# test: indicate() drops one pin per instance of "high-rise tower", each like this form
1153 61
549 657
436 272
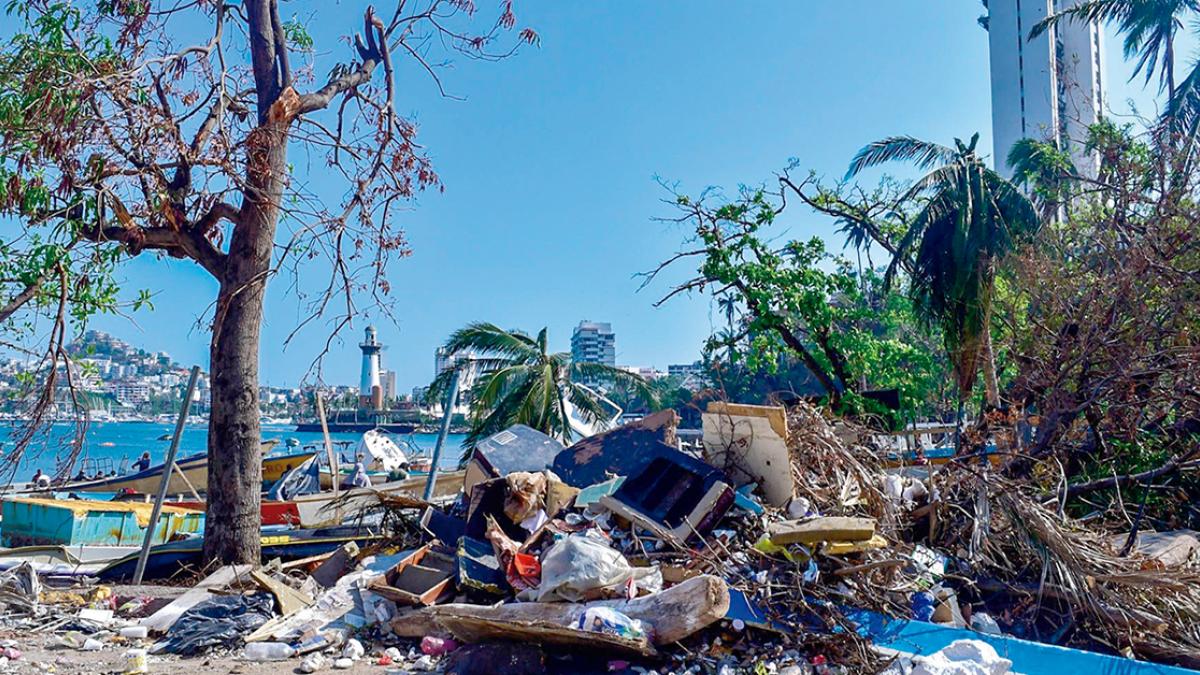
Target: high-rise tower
1049 88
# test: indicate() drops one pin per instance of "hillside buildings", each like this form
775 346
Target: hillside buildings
1049 88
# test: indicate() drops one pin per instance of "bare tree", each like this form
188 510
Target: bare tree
122 134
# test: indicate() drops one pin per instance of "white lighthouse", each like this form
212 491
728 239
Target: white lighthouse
370 394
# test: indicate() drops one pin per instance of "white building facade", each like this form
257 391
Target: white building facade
1050 88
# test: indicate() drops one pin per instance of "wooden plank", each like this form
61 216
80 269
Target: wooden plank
289 599
821 528
165 617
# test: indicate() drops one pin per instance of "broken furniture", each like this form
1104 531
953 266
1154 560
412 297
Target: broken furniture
517 448
750 443
674 497
623 451
420 579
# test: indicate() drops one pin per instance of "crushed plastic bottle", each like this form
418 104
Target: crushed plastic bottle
269 651
609 620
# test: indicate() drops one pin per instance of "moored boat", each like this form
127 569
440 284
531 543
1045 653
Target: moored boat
33 521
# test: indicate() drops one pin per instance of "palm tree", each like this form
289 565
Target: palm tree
1046 171
970 219
1149 27
521 382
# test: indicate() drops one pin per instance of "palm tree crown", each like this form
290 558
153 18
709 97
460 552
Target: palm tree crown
521 382
1149 27
970 217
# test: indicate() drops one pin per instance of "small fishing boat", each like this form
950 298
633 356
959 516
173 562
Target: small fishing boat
64 561
194 470
166 560
33 521
382 458
273 512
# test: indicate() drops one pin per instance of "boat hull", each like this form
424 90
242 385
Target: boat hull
273 513
166 560
320 510
29 521
273 468
357 427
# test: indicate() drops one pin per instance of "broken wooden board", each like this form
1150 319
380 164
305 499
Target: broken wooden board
674 613
289 599
848 547
750 443
478 629
821 528
623 451
164 618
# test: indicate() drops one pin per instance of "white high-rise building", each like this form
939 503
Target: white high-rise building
1049 88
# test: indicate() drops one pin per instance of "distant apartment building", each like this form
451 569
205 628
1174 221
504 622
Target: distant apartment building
130 392
594 342
691 375
1050 88
388 378
648 373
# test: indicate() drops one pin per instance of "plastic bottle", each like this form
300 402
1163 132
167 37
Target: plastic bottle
134 632
269 651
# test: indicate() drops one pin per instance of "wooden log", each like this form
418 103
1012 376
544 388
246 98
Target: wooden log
825 528
674 613
471 629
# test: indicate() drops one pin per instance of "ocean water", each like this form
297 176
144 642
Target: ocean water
118 442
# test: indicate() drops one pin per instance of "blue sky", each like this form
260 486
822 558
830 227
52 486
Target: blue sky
550 162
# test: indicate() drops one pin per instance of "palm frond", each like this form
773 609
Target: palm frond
489 339
1102 11
899 149
1182 116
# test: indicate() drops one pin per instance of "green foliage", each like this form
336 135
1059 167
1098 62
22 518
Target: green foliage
297 35
522 382
797 312
970 220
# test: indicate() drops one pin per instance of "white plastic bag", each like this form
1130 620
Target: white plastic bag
579 567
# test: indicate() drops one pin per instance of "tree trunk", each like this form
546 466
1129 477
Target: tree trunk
991 384
232 526
233 523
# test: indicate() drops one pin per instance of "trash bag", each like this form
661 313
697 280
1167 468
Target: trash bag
579 567
220 621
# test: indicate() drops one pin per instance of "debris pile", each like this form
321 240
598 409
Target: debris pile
779 542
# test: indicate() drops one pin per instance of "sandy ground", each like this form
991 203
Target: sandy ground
41 653
40 656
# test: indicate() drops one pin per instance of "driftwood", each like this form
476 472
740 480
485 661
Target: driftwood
472 629
821 528
674 613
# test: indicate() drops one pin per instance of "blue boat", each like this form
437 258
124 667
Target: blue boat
33 521
166 560
1028 658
